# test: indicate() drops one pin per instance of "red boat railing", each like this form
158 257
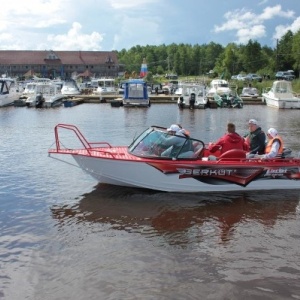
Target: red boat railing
88 146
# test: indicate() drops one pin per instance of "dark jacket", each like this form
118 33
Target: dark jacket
229 141
257 141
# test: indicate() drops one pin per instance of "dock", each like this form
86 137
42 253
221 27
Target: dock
155 99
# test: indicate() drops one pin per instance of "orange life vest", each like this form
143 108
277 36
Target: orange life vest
270 143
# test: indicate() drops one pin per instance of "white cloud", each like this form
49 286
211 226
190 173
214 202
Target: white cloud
245 34
31 14
75 39
249 25
275 11
282 29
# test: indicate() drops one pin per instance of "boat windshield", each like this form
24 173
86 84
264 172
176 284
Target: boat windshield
157 142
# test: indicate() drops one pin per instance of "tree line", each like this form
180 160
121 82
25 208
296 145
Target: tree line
195 60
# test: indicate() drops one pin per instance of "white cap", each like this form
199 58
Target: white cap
272 132
252 121
174 128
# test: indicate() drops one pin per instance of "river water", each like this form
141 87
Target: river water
63 236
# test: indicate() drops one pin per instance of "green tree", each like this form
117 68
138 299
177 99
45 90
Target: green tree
296 51
284 58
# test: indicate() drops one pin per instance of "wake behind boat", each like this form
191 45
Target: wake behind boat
189 168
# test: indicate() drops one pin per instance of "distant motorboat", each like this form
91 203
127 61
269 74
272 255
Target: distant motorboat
70 87
135 94
9 91
281 95
193 96
104 86
218 86
250 92
231 100
45 94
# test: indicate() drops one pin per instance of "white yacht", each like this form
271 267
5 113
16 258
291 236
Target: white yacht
281 95
218 86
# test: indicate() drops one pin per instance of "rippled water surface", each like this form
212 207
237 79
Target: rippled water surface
63 236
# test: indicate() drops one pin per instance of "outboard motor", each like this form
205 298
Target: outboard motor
180 104
39 100
192 100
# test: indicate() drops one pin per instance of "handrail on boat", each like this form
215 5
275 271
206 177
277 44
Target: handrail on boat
87 145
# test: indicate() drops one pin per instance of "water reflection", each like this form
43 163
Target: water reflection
179 218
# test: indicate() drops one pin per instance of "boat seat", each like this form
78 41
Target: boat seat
233 153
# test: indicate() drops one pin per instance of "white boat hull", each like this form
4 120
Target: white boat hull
144 175
281 96
293 103
187 168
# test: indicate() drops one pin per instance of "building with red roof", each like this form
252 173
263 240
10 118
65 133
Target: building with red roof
52 64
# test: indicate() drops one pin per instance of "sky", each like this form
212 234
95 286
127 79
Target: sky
106 25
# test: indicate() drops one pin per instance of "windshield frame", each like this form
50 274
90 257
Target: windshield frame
151 144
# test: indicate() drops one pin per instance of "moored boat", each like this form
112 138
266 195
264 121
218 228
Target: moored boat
218 86
231 100
9 91
70 88
192 169
45 94
281 95
136 94
193 96
250 92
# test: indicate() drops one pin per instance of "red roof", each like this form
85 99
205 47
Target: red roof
32 57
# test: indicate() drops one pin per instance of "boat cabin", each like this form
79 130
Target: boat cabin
104 86
136 93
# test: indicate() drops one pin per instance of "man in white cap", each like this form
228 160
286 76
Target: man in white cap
256 139
274 147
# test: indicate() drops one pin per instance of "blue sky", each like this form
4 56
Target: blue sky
106 25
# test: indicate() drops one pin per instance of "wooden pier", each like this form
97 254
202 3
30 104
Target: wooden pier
155 99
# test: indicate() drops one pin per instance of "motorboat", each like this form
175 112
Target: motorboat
136 94
104 86
70 88
249 92
218 86
193 96
188 170
231 100
281 95
45 94
9 91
